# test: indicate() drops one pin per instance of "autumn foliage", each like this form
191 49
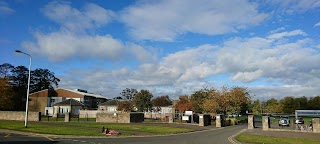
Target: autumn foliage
184 104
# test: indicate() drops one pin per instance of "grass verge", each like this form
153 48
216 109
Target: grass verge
88 128
257 139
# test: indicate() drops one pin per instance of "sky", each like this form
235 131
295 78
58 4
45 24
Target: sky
169 47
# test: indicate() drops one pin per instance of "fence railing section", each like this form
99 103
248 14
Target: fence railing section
61 117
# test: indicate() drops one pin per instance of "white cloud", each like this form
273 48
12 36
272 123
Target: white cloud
72 19
317 24
277 30
59 46
244 59
141 53
73 40
5 8
165 20
287 34
291 6
279 92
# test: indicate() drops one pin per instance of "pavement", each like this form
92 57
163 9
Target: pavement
206 136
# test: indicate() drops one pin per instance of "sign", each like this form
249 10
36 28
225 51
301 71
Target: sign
201 117
185 117
188 112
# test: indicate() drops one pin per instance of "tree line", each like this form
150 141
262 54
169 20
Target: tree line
141 100
286 105
14 82
227 100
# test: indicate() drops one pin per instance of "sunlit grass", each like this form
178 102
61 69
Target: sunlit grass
257 139
88 128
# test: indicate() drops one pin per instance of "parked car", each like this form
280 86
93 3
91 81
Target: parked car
284 121
299 120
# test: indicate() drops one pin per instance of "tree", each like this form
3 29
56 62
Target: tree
183 104
20 77
314 103
43 79
142 100
128 93
19 81
6 95
197 99
210 105
232 100
5 69
288 104
256 107
271 106
125 106
118 97
302 103
161 101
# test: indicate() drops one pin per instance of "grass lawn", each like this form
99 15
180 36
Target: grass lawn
88 128
257 139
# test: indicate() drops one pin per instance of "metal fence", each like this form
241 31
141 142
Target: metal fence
61 117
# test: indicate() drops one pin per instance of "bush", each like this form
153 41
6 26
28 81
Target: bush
232 121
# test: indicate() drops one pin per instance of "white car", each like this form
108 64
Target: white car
284 121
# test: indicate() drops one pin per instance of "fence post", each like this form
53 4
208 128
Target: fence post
66 117
265 122
219 120
316 125
250 121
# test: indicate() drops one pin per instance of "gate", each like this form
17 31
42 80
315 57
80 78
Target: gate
257 121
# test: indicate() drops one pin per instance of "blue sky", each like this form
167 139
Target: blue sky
168 47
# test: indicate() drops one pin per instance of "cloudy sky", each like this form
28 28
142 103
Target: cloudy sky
170 47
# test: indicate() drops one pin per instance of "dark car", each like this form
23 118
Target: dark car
299 120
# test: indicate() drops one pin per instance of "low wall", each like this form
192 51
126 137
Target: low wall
20 115
119 117
156 115
88 113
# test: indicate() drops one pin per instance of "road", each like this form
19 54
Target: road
213 136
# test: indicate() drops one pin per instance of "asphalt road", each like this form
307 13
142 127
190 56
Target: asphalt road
14 138
213 136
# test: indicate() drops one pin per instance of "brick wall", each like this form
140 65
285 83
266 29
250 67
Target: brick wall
88 113
19 115
38 104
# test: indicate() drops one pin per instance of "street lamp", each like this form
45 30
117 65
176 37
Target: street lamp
27 101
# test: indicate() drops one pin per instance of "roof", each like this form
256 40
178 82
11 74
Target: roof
75 91
86 94
69 102
39 91
111 102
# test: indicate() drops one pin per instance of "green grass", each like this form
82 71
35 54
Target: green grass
46 128
256 139
132 127
88 128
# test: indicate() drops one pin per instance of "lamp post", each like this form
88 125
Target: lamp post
27 101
